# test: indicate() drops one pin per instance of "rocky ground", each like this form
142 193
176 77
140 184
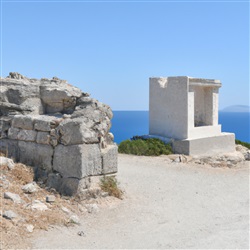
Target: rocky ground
27 206
170 201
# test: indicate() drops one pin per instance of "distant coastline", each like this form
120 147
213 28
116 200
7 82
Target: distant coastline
236 108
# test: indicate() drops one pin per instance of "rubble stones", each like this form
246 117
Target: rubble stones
6 161
50 198
30 188
9 214
58 129
14 197
38 205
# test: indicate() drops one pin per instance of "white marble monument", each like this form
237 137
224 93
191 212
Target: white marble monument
185 109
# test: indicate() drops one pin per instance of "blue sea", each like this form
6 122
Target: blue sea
126 124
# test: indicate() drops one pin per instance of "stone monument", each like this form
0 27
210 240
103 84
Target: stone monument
58 129
185 110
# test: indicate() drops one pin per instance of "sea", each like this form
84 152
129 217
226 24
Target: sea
126 124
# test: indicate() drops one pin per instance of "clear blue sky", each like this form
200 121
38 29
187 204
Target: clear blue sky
111 48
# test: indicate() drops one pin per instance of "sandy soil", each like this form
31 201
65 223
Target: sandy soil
166 206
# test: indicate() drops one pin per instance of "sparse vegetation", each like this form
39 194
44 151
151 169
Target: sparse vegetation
109 184
140 146
245 144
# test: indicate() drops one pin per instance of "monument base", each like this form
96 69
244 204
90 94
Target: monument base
223 143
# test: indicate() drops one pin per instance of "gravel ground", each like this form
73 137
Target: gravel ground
166 206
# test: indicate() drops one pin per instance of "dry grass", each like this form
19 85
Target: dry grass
14 232
109 184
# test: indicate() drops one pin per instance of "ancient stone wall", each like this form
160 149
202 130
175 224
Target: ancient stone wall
59 130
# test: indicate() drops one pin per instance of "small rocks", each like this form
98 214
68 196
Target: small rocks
8 162
74 219
65 210
92 208
81 233
30 188
29 228
247 155
38 205
9 214
14 197
50 198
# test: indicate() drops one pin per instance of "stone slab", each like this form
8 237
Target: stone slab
37 155
109 159
77 161
223 143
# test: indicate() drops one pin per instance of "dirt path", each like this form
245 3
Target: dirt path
166 206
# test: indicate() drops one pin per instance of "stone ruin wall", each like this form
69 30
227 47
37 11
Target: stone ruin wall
59 130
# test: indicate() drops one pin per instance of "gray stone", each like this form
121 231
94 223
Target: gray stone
77 161
247 155
43 138
13 133
58 129
14 197
54 181
38 205
9 214
59 97
23 122
10 149
30 188
8 162
72 186
74 219
50 198
109 159
27 135
75 132
34 154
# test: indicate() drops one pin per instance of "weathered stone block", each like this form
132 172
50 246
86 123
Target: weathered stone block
43 138
26 135
109 159
23 122
75 132
37 155
42 125
72 186
77 161
10 149
13 133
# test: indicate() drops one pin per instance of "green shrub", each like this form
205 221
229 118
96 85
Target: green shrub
148 147
245 144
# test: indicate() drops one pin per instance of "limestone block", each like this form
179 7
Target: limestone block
72 186
42 125
224 143
10 149
77 161
26 135
109 159
13 133
37 155
23 122
5 123
54 181
43 138
58 97
75 132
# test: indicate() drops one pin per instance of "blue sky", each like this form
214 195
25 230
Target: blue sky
111 48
